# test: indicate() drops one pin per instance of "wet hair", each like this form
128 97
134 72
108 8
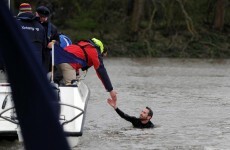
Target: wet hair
150 111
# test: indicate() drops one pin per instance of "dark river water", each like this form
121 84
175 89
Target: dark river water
190 99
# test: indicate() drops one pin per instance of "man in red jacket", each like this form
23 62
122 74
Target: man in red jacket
86 53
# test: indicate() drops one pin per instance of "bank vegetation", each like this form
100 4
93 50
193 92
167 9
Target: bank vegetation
147 28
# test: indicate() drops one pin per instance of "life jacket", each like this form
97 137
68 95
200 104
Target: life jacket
61 56
90 42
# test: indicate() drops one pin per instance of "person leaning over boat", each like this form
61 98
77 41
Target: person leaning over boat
32 29
142 122
84 54
43 14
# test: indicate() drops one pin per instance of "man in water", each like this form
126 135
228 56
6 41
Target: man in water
142 122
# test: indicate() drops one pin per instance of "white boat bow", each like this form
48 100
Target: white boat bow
73 104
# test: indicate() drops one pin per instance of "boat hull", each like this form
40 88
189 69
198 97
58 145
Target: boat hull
73 103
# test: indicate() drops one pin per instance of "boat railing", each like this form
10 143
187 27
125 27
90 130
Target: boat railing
12 118
73 118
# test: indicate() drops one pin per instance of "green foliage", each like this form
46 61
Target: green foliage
134 50
164 29
82 24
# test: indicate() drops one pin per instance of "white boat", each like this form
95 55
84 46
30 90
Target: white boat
73 102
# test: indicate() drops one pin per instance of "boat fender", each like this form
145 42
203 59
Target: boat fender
4 102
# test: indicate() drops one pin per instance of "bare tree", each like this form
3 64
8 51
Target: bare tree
219 15
188 19
136 15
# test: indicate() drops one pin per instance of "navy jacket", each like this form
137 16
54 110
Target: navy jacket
34 32
51 34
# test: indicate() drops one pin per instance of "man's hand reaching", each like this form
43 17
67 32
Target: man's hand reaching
112 103
113 95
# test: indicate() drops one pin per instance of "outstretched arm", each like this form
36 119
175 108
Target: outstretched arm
103 76
113 103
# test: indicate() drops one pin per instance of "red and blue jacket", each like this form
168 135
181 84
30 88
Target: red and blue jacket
92 56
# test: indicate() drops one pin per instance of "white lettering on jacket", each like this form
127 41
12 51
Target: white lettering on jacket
29 28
